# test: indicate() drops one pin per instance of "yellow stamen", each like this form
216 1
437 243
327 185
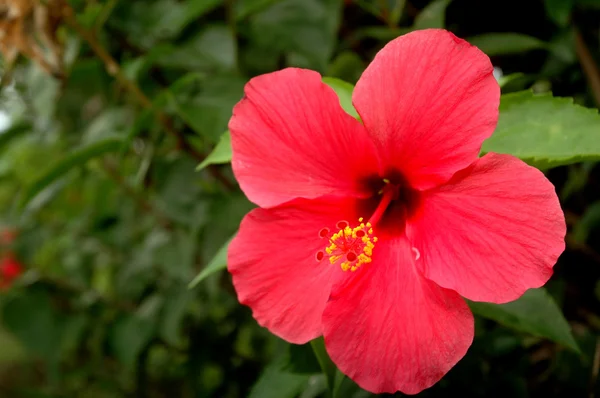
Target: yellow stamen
352 247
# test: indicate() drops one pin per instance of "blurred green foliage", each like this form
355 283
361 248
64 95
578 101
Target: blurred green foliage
108 174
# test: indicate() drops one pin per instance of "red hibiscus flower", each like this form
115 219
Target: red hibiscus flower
10 269
369 233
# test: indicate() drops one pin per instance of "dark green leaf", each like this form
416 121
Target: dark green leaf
77 158
432 16
213 48
128 336
535 313
305 28
559 11
12 132
275 383
35 322
545 131
494 44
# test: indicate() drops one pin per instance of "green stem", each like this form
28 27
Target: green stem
328 367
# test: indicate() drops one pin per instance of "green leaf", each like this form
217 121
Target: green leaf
545 131
149 22
32 318
432 16
77 158
12 132
494 44
589 221
128 336
245 8
173 313
504 80
276 383
214 48
207 110
535 313
220 154
559 11
218 263
304 28
344 93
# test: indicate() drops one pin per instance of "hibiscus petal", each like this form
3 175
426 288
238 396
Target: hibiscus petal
390 329
274 266
494 231
429 100
291 138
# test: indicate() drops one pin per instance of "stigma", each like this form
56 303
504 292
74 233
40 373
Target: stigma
350 248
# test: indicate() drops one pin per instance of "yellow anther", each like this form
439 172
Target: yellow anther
351 247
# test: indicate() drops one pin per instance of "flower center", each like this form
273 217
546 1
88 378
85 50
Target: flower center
352 247
349 247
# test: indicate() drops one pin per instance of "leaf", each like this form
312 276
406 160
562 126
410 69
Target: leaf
77 158
344 93
220 154
432 16
589 221
244 8
149 22
559 11
173 313
494 44
218 263
276 383
214 48
306 28
545 131
535 313
12 132
128 336
208 110
35 322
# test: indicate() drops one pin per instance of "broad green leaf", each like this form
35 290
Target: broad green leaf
276 383
306 29
220 154
344 93
494 44
32 319
545 131
432 16
535 313
77 158
218 263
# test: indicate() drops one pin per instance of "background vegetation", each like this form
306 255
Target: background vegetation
112 105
